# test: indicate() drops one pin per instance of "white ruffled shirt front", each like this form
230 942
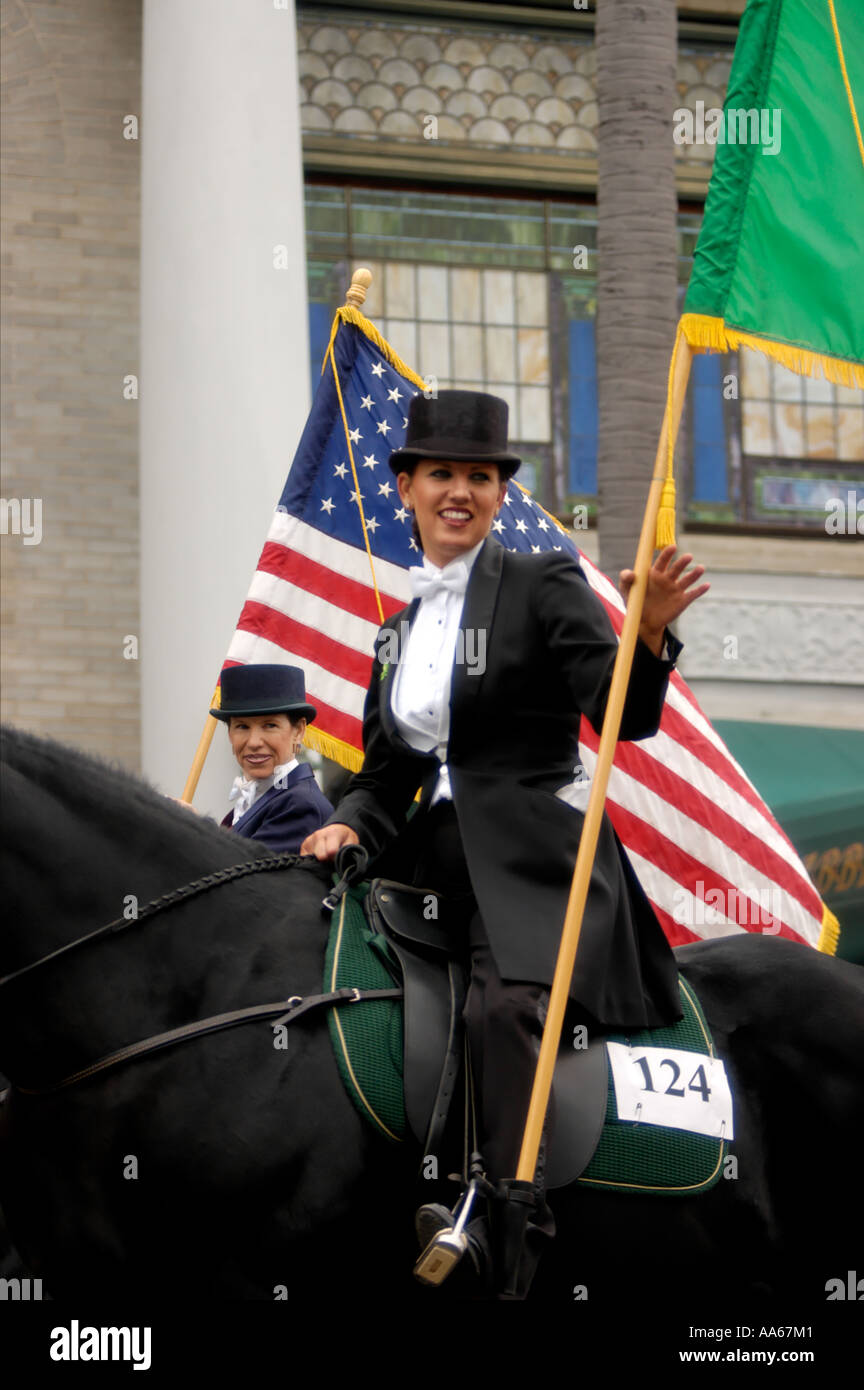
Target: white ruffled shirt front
246 791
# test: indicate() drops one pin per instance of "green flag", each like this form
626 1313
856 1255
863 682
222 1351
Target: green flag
779 264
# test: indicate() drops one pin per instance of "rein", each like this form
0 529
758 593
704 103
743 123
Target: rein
170 899
284 1011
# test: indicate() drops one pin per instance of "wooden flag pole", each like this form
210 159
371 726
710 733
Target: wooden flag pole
201 752
609 736
356 294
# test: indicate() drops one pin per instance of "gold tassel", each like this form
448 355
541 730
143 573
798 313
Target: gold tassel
829 937
665 534
664 531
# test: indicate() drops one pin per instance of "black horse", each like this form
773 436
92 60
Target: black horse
227 1167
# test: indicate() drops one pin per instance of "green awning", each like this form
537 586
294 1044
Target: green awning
813 781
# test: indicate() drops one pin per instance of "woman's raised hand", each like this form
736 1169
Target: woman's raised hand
669 591
326 842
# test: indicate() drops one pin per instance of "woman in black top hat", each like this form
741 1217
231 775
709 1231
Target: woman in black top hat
480 707
277 800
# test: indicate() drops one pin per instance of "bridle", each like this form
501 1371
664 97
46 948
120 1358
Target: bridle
350 867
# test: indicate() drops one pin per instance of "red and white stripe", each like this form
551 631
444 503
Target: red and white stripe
692 823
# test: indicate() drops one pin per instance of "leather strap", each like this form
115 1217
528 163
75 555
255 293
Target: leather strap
283 1011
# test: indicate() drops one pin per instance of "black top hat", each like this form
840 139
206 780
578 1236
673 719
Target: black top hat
460 425
263 689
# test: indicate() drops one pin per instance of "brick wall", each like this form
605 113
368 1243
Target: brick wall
70 250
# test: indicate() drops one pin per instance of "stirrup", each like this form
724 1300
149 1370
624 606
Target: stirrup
446 1248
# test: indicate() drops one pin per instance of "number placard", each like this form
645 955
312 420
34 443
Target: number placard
665 1086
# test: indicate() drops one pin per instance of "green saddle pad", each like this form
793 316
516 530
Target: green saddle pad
366 1037
367 1041
633 1157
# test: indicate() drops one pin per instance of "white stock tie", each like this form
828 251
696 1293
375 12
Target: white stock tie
241 794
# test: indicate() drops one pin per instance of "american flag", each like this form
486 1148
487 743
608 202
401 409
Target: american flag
710 856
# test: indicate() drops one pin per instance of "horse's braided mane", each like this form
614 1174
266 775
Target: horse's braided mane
88 778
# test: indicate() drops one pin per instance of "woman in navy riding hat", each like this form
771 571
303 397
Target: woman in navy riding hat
494 747
277 799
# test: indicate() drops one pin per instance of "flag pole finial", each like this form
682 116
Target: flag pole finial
360 282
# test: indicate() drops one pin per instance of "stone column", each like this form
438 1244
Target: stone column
224 374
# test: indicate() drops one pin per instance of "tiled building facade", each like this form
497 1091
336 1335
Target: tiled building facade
484 90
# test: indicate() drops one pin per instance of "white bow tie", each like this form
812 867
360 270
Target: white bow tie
424 582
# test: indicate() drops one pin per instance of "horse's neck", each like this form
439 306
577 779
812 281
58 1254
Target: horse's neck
220 950
73 869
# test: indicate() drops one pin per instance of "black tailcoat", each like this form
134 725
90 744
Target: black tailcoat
283 816
550 650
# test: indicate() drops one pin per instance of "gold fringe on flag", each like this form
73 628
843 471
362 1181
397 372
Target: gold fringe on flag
348 314
829 936
334 748
707 334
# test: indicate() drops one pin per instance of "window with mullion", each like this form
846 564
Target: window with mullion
499 294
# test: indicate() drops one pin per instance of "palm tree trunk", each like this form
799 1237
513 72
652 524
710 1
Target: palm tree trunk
636 258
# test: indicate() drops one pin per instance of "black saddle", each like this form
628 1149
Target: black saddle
414 922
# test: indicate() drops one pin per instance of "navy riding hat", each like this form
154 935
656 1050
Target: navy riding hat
263 689
465 426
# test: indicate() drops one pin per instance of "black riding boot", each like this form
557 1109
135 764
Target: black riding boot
521 1227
